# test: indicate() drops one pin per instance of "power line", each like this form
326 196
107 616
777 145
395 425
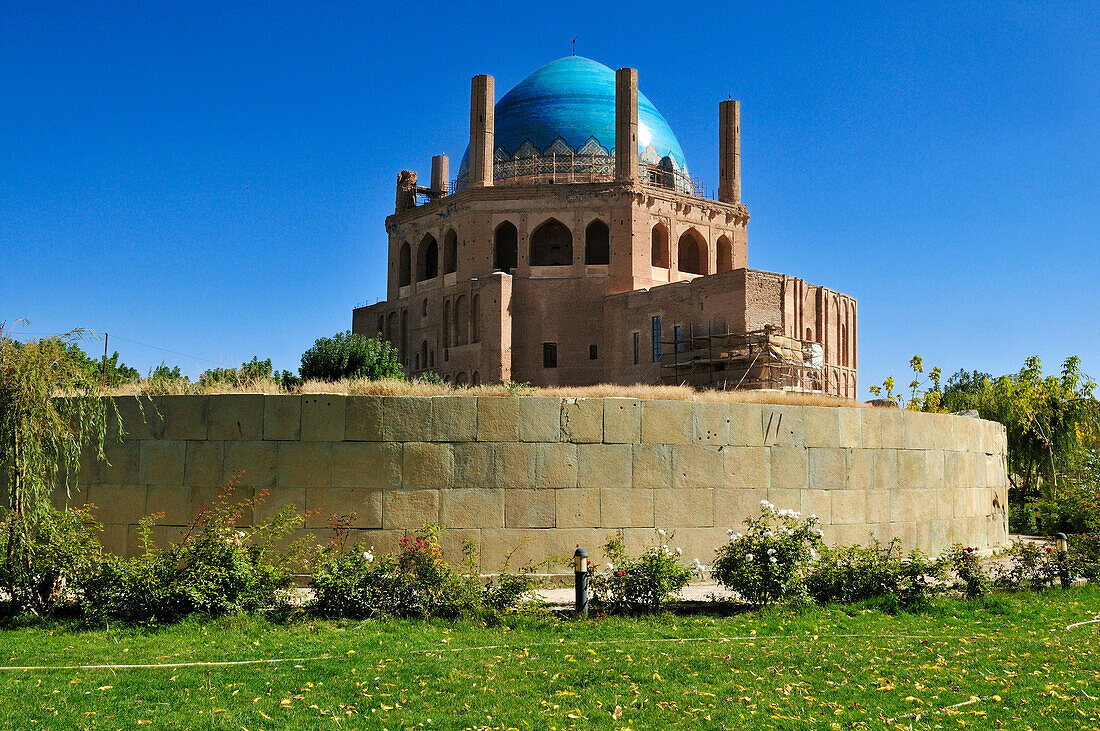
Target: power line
134 342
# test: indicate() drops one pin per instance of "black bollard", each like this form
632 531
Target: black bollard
580 575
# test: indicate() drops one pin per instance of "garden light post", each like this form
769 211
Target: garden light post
1061 545
580 576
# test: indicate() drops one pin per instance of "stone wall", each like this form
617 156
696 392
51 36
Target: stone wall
546 474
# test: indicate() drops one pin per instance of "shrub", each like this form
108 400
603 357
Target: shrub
855 573
971 579
1027 566
646 582
918 579
351 355
769 562
216 568
417 582
1084 555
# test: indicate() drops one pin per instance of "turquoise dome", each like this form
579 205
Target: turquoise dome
573 100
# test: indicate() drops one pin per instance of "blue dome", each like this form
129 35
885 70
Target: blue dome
573 99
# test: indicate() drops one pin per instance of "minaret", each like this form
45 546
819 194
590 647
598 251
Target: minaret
626 125
440 171
729 151
480 168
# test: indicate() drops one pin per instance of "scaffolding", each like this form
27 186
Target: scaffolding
760 359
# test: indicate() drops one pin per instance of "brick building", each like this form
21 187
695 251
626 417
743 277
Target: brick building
574 248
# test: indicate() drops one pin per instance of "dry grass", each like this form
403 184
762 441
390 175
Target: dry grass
152 387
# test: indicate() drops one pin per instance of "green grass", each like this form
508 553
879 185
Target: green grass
835 667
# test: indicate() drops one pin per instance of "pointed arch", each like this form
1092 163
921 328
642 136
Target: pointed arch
475 312
450 252
551 244
597 243
462 321
659 246
691 253
505 247
725 254
404 265
427 259
447 324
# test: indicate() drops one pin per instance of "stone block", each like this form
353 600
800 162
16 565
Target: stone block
746 425
203 464
604 465
454 418
376 465
871 427
919 430
878 506
525 547
625 507
712 423
476 464
828 470
886 469
556 465
892 428
941 504
539 419
582 420
140 419
174 501
122 465
851 426
473 508
789 468
250 463
282 418
676 509
666 422
944 428
410 509
451 541
530 509
652 465
822 426
860 472
819 503
748 468
204 498
236 416
76 495
783 426
323 417
427 465
788 499
733 506
698 466
324 503
118 503
849 507
161 462
184 416
847 535
578 508
276 500
912 469
622 420
406 418
498 418
119 539
516 464
363 419
304 464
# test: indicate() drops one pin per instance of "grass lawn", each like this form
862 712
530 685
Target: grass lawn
1005 662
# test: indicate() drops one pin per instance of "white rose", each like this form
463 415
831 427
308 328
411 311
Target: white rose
748 558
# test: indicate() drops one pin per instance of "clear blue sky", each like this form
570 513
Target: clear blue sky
212 179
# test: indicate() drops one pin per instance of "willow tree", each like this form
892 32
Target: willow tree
51 410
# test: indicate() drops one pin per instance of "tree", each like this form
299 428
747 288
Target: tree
111 370
51 409
350 355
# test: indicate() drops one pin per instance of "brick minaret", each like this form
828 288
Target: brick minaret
729 151
626 124
481 131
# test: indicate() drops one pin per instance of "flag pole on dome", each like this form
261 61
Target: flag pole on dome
574 46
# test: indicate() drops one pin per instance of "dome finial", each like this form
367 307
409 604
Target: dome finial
574 46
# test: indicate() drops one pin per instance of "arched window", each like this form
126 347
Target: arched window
427 259
424 353
450 252
692 253
809 334
404 266
462 320
476 381
447 324
659 256
551 245
403 349
475 315
597 243
725 254
844 344
381 325
391 327
431 359
460 379
505 247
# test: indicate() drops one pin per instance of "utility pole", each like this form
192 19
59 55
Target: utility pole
103 377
